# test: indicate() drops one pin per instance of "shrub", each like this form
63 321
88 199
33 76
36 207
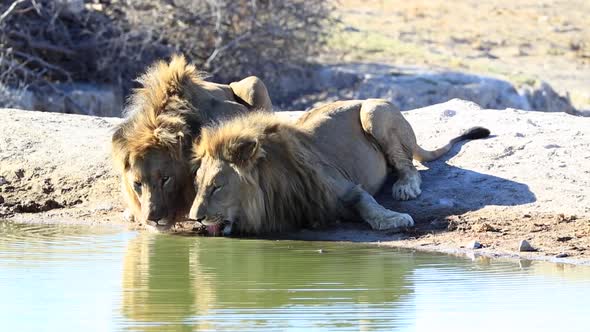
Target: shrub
112 41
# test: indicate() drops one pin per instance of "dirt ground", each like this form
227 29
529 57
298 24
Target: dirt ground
522 41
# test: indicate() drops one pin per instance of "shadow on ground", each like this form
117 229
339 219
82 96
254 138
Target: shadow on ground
446 190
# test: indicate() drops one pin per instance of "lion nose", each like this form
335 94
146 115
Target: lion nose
197 213
154 215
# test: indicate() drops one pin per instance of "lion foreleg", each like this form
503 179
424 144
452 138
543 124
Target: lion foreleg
373 213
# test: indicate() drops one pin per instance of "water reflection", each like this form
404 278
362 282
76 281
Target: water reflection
227 283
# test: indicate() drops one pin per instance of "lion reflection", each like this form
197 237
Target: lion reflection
180 281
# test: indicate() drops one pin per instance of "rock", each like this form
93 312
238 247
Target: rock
72 7
103 207
3 181
414 91
525 246
349 28
474 245
1 199
485 227
446 202
543 98
567 219
19 173
410 88
452 226
79 98
562 255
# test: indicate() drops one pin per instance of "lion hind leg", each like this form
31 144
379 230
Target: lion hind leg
252 91
375 214
394 135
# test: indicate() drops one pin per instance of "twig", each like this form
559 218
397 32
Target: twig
45 64
41 44
10 10
223 48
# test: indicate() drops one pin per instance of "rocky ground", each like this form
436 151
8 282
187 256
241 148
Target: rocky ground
529 181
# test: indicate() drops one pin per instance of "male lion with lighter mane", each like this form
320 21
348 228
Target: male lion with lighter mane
257 174
151 147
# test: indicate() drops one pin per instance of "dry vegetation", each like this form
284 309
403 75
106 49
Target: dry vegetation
109 41
522 40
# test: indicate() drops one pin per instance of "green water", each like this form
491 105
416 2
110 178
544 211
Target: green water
72 278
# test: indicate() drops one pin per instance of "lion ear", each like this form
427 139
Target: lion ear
241 151
272 129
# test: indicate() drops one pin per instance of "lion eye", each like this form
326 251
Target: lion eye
215 189
137 186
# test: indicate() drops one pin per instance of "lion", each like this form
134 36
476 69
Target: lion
256 174
151 147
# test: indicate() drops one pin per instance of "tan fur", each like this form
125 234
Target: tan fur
272 200
162 119
259 174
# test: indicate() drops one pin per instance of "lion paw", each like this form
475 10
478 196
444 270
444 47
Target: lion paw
393 220
406 190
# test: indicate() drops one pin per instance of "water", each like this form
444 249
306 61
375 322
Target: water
73 278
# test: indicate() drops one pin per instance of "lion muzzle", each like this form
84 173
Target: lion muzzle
218 226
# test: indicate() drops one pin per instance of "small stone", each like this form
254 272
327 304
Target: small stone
3 181
128 216
446 202
449 113
20 173
564 238
351 29
1 200
525 246
567 219
485 227
453 225
562 255
103 207
474 245
320 251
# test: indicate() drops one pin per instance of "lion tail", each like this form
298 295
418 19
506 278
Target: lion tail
474 133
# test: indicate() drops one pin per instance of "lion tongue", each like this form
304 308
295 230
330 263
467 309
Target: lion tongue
214 229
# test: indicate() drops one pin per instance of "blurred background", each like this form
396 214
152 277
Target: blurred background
82 56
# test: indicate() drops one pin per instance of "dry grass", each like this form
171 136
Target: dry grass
520 40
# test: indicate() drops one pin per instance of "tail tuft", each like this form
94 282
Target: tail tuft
475 133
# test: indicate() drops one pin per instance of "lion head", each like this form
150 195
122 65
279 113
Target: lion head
151 147
254 175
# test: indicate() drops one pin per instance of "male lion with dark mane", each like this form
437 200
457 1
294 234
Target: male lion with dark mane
257 174
151 147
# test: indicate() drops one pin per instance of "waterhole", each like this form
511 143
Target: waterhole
75 278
